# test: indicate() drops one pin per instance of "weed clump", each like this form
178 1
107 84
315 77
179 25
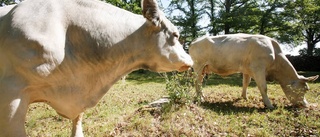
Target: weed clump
180 88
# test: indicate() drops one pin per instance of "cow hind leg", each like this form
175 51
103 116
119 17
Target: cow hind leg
245 83
200 71
199 87
77 126
260 79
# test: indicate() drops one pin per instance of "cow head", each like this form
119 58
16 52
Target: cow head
296 91
164 50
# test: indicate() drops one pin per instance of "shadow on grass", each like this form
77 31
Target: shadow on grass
232 80
236 79
229 107
144 76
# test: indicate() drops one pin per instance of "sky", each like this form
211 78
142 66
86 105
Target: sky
165 2
285 48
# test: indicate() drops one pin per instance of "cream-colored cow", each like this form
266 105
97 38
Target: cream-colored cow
256 56
68 53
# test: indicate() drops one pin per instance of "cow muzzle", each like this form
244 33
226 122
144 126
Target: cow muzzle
184 68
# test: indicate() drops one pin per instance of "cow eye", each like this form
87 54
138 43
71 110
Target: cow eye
175 34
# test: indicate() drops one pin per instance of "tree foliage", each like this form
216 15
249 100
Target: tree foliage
130 5
8 2
237 15
306 21
290 22
187 19
304 52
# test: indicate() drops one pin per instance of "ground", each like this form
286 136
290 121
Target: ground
124 111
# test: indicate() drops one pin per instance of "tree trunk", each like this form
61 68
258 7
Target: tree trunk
227 23
310 48
311 43
193 16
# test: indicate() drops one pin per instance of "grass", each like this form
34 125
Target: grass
123 112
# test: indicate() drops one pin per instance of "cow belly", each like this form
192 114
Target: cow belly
67 97
223 70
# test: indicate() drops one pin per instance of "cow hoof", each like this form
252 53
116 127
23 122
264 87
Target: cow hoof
244 97
270 106
307 106
199 99
313 106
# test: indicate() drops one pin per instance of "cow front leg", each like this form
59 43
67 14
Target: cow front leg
262 85
12 117
77 126
245 83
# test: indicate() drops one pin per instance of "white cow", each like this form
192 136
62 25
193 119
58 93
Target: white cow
68 53
256 56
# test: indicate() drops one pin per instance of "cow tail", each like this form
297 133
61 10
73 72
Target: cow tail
2 69
2 73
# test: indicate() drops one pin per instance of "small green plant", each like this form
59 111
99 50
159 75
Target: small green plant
180 87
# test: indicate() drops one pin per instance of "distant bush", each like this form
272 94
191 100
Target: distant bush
303 52
305 62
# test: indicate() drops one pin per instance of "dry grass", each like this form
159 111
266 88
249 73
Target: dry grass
123 112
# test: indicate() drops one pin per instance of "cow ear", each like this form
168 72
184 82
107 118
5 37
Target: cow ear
309 79
151 11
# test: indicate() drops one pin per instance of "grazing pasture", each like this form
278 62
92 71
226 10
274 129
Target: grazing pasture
123 111
50 53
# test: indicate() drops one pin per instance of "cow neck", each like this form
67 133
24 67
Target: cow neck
101 71
284 72
109 35
122 58
126 55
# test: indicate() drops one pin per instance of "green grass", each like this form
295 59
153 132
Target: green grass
123 112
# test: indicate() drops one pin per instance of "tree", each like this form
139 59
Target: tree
210 9
230 16
271 18
303 52
188 18
304 15
7 2
290 22
130 5
237 15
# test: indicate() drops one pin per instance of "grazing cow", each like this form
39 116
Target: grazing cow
68 53
256 56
